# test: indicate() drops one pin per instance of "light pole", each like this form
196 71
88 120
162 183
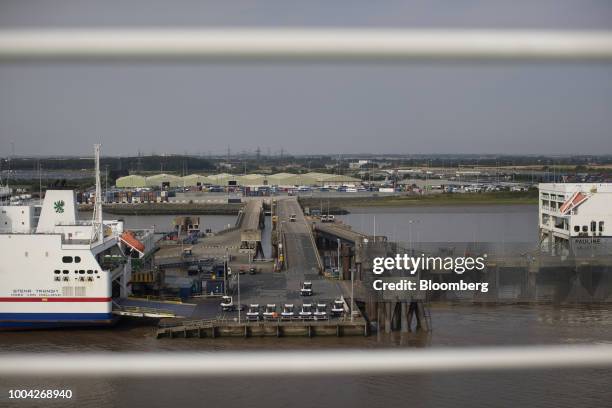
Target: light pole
410 235
338 263
105 183
352 292
225 273
179 238
250 255
374 228
239 303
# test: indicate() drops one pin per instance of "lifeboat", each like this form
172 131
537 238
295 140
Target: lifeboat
130 240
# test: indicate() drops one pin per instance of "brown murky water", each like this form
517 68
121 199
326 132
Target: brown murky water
454 326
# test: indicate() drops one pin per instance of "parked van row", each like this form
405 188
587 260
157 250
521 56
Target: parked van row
289 311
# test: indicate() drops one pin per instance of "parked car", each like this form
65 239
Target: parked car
306 289
253 313
292 218
320 312
227 303
337 309
306 311
328 218
270 312
288 312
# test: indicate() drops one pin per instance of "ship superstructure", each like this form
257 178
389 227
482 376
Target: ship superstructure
57 270
576 218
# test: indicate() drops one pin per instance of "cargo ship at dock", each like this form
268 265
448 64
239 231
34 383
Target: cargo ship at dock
59 271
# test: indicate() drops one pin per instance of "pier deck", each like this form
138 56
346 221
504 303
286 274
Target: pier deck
276 328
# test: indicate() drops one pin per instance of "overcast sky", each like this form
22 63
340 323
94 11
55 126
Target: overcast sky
62 109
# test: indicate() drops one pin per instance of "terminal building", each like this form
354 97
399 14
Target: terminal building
576 219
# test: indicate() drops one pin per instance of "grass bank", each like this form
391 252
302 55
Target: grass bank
338 204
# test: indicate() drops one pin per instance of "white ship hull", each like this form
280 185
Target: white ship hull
53 267
40 289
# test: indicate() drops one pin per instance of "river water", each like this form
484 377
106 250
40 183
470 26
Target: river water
474 223
453 326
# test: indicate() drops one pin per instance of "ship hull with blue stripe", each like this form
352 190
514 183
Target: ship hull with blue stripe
32 321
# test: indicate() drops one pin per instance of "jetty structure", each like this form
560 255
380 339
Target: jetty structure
337 262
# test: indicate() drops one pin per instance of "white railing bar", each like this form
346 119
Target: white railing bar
304 44
306 363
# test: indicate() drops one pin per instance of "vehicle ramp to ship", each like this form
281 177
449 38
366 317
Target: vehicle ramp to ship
146 308
251 222
340 231
140 243
300 247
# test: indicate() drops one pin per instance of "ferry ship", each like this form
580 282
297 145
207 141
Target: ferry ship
57 270
575 219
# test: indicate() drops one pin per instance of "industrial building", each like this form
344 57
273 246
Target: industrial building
225 179
575 218
131 181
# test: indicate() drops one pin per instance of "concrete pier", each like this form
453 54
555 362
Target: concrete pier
226 328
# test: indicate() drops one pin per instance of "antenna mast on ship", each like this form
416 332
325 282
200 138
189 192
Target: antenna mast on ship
96 231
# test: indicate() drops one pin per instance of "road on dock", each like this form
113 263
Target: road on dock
301 253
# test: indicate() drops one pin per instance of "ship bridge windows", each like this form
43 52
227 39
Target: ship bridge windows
601 226
560 223
585 228
57 271
576 228
593 226
66 259
77 259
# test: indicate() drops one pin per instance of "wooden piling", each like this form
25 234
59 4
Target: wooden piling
387 317
404 318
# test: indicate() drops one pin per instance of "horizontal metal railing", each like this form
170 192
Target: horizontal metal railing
357 362
304 44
